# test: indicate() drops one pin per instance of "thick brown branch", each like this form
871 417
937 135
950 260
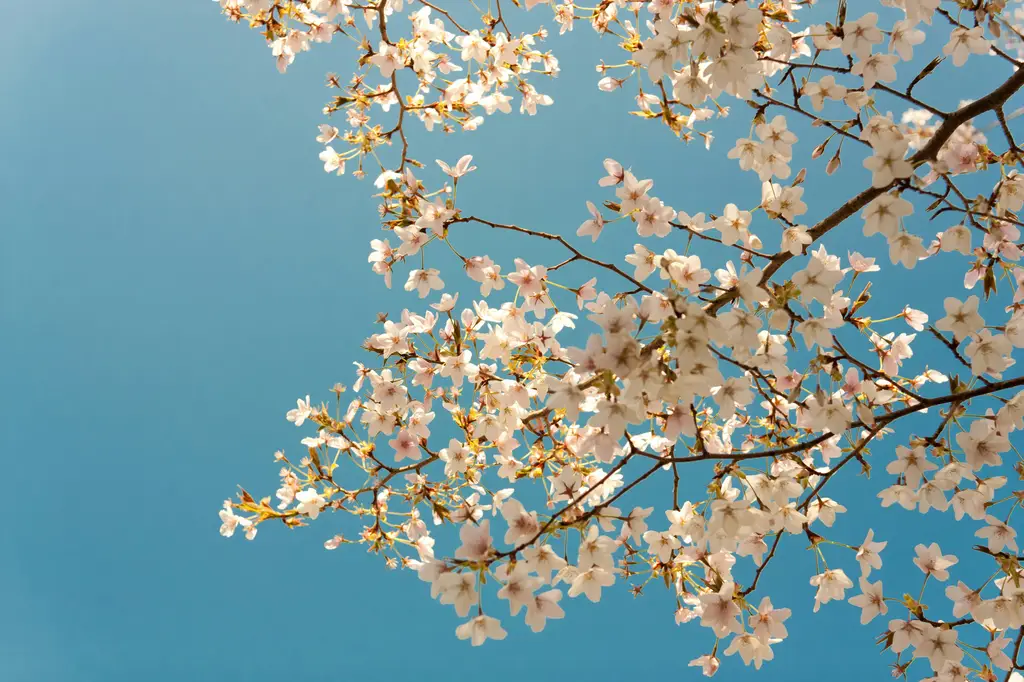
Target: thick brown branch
989 102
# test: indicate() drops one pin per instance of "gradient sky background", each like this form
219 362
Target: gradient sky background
175 268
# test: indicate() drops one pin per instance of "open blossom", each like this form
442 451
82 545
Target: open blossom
654 218
592 227
989 353
518 587
406 446
832 584
751 649
388 59
719 612
869 553
685 271
939 646
907 249
662 544
633 193
883 214
862 263
333 162
904 37
590 582
478 630
998 535
826 88
860 34
888 162
476 541
962 318
459 590
616 174
386 177
542 607
932 562
874 68
733 224
423 281
964 42
459 169
522 525
310 502
956 238
708 664
301 413
230 521
915 318
913 463
870 601
997 655
767 623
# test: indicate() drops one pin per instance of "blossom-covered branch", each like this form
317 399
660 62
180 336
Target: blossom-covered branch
743 379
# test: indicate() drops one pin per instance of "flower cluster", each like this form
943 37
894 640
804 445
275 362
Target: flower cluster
705 354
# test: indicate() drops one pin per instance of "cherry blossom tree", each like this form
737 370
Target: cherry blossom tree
729 347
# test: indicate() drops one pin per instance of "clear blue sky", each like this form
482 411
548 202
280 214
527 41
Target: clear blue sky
175 268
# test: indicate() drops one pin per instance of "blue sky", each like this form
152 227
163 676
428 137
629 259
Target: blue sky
175 268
